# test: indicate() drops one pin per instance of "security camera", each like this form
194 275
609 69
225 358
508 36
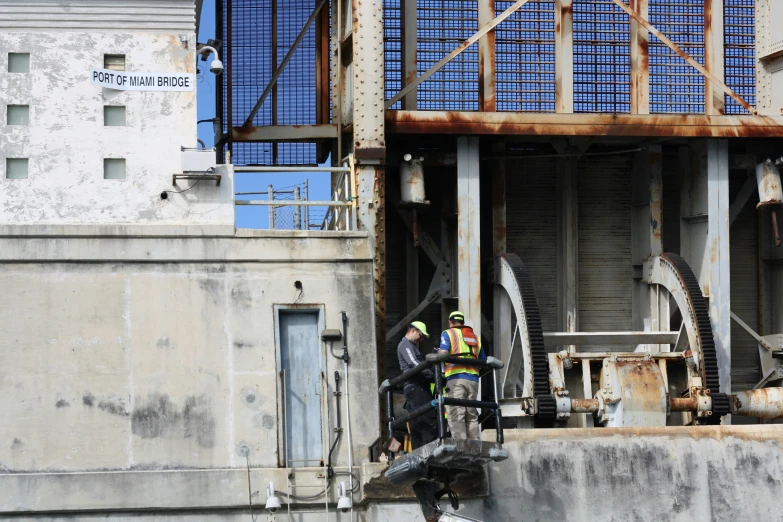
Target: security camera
272 502
344 503
216 67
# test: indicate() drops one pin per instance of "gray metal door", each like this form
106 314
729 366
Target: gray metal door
300 361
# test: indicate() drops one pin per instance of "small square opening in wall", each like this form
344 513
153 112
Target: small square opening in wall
114 116
19 62
18 115
16 168
114 62
113 168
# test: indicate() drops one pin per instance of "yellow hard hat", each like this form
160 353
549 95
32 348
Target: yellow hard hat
421 327
457 316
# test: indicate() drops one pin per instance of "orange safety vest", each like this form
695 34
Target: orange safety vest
464 343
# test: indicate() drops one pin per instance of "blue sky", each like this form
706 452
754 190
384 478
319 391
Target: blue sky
246 216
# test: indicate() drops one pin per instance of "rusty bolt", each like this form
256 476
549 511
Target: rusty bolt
707 391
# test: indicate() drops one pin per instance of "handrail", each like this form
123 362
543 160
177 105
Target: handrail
292 203
439 402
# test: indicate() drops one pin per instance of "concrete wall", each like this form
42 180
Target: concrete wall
150 362
66 140
710 473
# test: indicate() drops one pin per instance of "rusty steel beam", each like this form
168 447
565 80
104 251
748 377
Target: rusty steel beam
322 77
685 56
286 133
640 61
486 55
409 39
564 57
456 52
672 125
713 55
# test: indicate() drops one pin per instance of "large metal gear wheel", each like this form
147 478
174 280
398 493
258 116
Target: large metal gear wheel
528 364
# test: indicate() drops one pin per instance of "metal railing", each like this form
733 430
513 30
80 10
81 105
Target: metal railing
440 401
339 213
341 217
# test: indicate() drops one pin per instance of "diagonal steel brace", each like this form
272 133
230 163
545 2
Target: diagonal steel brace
456 52
685 56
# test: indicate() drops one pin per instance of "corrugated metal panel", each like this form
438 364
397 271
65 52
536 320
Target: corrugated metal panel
531 220
744 291
165 16
605 271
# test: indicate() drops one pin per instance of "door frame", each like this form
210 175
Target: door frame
320 309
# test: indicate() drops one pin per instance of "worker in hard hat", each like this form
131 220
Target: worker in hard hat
462 381
424 428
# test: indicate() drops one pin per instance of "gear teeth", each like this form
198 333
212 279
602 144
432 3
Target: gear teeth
540 361
709 362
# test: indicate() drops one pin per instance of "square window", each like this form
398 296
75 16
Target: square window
16 168
114 62
113 168
113 116
18 115
19 62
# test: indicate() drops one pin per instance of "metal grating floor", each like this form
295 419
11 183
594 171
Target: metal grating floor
739 44
602 78
675 86
525 58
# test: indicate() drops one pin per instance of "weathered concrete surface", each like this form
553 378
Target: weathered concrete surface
711 473
66 140
114 355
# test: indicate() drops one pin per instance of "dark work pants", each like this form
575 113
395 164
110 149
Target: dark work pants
424 428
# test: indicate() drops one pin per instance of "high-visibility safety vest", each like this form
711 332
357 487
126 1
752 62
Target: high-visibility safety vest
464 343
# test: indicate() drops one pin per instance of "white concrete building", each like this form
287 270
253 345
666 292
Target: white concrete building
77 153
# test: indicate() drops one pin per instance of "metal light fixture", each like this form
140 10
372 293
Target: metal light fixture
272 502
344 502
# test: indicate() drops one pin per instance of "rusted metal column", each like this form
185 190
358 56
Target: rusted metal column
501 308
229 76
322 67
640 61
369 147
713 55
468 231
718 255
564 57
486 53
646 194
409 41
765 403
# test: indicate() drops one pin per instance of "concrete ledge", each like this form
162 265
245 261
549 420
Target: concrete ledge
52 231
151 490
716 473
760 433
286 248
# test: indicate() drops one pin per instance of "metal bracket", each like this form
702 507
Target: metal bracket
200 177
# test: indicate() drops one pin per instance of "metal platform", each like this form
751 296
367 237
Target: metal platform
444 460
